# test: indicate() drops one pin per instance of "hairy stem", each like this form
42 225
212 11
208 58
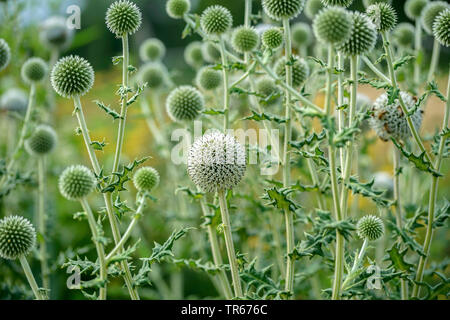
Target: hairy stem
42 217
27 270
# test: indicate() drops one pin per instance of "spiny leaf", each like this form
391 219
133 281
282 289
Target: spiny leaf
213 112
402 61
366 190
97 145
310 140
198 265
195 195
137 94
122 177
108 110
279 199
397 259
264 116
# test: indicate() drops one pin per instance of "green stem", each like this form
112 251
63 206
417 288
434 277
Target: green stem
341 114
356 263
30 278
245 75
375 70
45 272
434 60
417 51
248 13
226 95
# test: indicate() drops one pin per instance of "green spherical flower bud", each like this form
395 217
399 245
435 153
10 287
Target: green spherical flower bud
383 16
145 179
272 38
370 227
332 25
193 54
42 141
300 70
368 3
54 33
301 34
312 7
216 20
413 8
244 39
403 35
430 13
210 52
184 103
14 100
154 73
152 50
5 54
362 37
76 182
441 28
339 3
123 17
208 78
216 162
34 70
72 76
177 8
283 9
17 237
268 88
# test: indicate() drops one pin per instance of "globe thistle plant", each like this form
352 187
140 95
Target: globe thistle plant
34 70
272 38
441 28
14 99
123 17
5 54
300 70
268 88
193 54
210 52
370 227
42 141
176 9
340 3
283 9
332 25
244 39
301 35
383 16
403 35
152 50
76 182
55 33
362 37
17 237
216 20
208 78
312 7
368 3
430 13
145 179
184 103
414 8
72 76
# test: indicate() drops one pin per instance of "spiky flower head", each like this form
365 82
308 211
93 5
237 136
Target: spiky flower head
403 35
34 70
383 16
216 162
430 13
17 237
184 103
216 20
145 179
208 78
72 76
55 33
14 100
244 39
301 34
441 28
413 8
123 17
340 3
332 25
362 37
283 9
152 50
370 227
210 52
42 140
312 7
154 74
76 182
5 54
368 3
193 54
268 88
388 119
272 38
176 9
300 70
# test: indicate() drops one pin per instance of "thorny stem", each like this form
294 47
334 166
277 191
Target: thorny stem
45 272
27 270
434 60
226 94
417 51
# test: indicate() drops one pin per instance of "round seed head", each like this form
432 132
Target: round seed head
154 73
370 227
76 182
430 12
184 103
268 88
17 237
244 39
216 162
339 3
145 179
389 121
14 100
5 54
210 53
301 34
383 16
72 76
272 38
216 20
300 70
403 35
152 50
332 25
312 7
208 78
362 37
368 3
55 34
193 54
123 17
34 70
283 9
176 9
413 8
42 141
441 28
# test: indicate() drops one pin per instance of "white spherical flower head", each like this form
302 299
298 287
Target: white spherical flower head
216 162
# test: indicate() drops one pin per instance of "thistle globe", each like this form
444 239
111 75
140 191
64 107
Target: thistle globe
123 17
414 8
208 78
55 33
300 70
5 54
152 50
176 9
72 76
17 237
441 28
193 54
383 16
76 182
332 25
362 38
14 100
301 34
403 35
244 39
216 20
154 74
210 52
145 179
42 141
312 7
270 91
216 162
370 227
34 70
430 13
339 3
368 3
272 38
184 103
283 9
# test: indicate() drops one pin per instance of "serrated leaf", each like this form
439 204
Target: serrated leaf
366 190
265 117
108 110
279 198
397 259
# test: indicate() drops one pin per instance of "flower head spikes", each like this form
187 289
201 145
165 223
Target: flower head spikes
208 78
5 54
184 103
42 141
152 50
272 38
154 74
403 35
76 182
383 16
123 17
300 70
193 54
14 100
441 28
414 8
312 7
370 227
340 3
332 25
362 37
216 20
301 34
55 33
216 162
17 237
72 76
176 9
430 12
268 88
244 39
145 179
34 70
389 121
283 9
